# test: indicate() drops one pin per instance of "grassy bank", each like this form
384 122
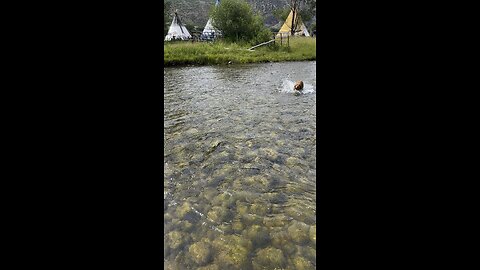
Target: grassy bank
203 53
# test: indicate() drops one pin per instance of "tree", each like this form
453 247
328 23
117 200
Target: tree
311 5
190 27
237 22
309 10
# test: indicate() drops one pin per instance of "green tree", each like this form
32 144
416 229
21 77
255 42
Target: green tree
309 10
237 22
190 27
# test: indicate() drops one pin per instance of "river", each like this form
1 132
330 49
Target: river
240 167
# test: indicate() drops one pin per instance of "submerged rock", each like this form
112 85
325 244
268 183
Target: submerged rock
303 214
176 239
170 265
293 162
201 252
209 267
276 197
301 263
197 157
242 208
221 198
215 181
277 167
226 170
226 228
258 235
217 214
307 252
298 151
215 143
183 210
276 221
269 258
277 209
249 219
260 209
232 252
209 193
237 226
299 232
229 203
233 258
257 181
282 241
244 196
269 153
280 143
186 226
167 217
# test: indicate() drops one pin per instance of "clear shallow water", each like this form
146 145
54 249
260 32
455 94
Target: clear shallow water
239 167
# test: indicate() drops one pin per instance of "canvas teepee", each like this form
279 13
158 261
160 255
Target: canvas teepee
177 30
300 28
209 32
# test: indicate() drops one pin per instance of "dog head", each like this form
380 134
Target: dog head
298 85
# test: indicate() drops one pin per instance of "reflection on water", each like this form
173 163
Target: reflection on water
239 167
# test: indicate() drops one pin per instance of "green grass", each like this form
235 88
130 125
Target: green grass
219 53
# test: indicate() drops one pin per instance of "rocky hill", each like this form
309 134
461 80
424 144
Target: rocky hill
195 12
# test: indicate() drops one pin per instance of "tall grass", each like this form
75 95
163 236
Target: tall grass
203 53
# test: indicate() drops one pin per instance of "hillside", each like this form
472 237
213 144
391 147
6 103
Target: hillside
195 12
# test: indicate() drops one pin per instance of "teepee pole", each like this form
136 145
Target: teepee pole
294 11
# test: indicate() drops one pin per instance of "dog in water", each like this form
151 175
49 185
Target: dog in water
298 85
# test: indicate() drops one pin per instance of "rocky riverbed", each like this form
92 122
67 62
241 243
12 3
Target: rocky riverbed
240 168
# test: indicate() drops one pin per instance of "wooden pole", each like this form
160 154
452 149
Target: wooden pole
261 44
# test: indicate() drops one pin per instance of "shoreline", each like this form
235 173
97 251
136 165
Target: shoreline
180 54
233 63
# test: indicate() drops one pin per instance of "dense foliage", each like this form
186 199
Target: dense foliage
197 12
238 23
223 53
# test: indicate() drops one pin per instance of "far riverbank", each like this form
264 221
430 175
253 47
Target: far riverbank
221 53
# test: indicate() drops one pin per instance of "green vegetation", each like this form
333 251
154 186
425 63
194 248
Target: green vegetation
237 22
220 53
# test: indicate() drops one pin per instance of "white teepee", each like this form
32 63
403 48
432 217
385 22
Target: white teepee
177 30
209 32
299 27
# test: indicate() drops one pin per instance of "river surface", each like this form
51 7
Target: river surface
239 167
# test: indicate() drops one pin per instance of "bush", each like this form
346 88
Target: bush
238 23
